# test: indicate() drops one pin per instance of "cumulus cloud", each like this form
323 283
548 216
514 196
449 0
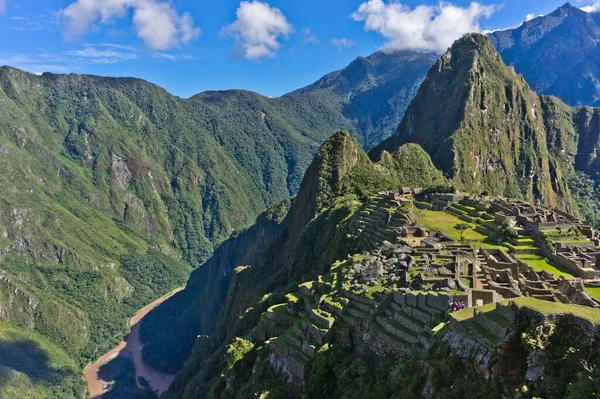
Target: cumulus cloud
342 43
257 30
592 7
425 28
156 22
531 16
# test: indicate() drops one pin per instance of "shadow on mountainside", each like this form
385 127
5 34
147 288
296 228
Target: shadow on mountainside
120 372
27 357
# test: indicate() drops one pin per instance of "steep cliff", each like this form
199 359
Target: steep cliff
313 235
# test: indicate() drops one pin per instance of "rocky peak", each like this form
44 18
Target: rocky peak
334 160
481 124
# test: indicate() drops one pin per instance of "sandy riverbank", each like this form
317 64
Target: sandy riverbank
131 346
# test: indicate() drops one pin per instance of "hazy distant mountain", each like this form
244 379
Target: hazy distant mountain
558 54
376 90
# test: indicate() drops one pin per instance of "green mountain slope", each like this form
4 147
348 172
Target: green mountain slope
113 188
375 91
306 242
497 135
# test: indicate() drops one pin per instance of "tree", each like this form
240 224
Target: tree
461 228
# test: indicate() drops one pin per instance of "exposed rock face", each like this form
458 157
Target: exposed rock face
483 125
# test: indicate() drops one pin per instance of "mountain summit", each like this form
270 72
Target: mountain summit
558 54
483 125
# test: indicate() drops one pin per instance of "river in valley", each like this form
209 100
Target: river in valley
131 348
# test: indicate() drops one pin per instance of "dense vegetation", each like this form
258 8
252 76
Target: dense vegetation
309 239
495 135
113 188
571 372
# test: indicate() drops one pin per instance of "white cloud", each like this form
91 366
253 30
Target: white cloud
157 23
531 16
103 56
118 46
172 57
342 43
592 7
425 28
2 6
310 38
257 30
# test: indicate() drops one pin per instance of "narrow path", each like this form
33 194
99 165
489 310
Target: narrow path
131 346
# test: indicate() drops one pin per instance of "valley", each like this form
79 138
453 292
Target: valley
412 225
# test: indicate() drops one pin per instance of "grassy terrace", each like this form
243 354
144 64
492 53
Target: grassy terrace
593 290
442 221
590 314
445 222
466 314
542 264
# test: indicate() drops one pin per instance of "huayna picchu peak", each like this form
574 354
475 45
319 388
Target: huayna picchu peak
421 223
489 132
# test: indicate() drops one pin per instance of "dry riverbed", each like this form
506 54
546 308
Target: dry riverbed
130 347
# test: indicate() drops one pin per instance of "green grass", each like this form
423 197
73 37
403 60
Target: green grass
32 366
545 307
279 309
593 290
540 265
488 245
445 222
468 313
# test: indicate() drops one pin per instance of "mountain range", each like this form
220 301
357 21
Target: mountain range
114 191
558 54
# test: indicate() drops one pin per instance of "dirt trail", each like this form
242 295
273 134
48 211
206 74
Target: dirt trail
131 346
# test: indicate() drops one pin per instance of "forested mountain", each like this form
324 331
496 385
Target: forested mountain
375 90
497 135
113 189
287 245
482 125
558 54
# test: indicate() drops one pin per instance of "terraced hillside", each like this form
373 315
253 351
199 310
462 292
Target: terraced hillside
396 301
372 309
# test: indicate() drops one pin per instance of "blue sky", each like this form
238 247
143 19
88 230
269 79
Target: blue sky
271 47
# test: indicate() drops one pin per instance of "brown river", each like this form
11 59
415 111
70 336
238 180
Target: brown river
130 347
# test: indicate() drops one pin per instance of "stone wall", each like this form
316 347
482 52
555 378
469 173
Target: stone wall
487 296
